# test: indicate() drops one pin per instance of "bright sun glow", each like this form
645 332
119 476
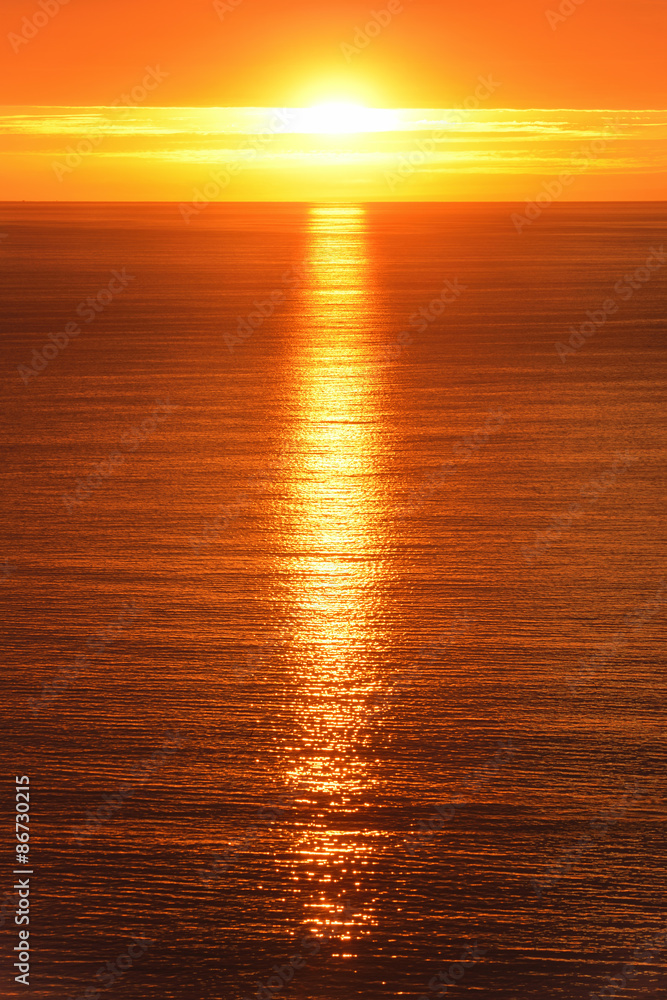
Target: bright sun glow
336 117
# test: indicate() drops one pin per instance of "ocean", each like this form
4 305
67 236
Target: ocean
333 561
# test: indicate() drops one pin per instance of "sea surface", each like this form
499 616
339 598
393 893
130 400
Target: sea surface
335 629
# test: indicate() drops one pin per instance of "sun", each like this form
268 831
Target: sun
338 117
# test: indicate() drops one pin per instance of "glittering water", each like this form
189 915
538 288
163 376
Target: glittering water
336 598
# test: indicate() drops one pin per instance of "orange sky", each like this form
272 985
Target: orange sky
606 54
63 66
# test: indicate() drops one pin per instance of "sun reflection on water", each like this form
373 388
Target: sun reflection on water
337 528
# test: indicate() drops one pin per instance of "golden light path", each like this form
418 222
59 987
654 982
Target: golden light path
339 525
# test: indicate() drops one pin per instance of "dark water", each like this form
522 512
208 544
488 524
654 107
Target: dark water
277 597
